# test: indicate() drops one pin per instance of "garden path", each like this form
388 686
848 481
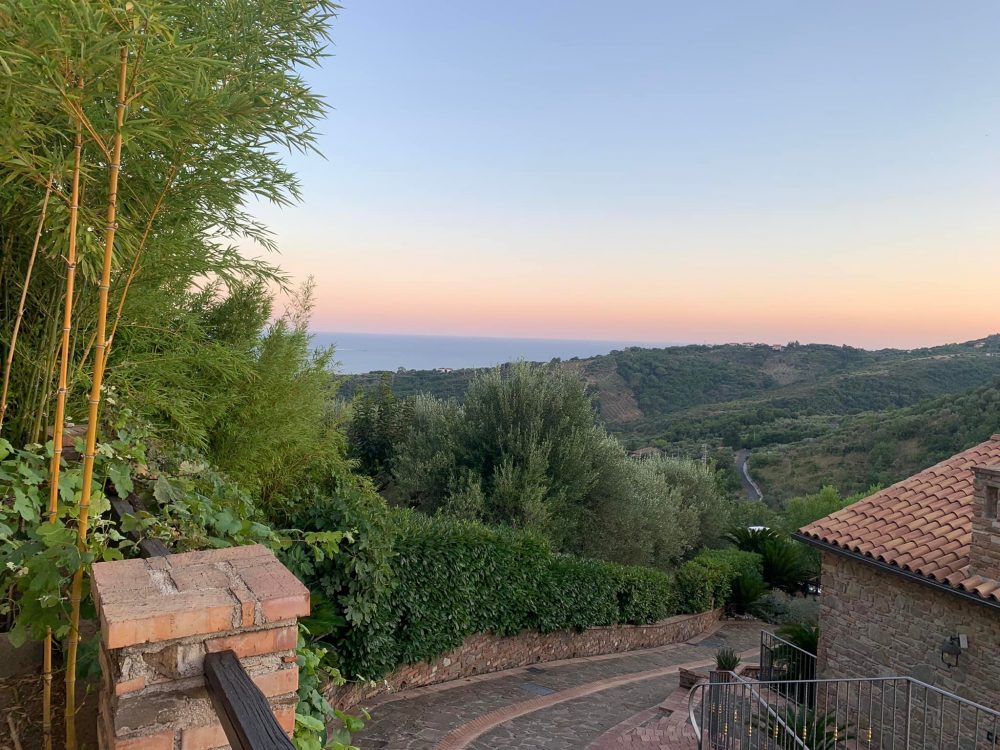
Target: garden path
592 703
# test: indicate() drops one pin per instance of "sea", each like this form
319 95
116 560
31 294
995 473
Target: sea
366 352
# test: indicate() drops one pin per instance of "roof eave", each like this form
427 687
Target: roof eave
895 570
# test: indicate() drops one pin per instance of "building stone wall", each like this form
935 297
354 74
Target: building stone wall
874 623
484 652
985 550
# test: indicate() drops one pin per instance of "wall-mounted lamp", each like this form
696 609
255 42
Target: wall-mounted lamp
951 649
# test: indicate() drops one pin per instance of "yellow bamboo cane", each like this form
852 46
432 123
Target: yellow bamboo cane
57 427
76 590
20 306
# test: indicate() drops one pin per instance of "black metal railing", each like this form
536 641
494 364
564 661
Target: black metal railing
882 713
781 661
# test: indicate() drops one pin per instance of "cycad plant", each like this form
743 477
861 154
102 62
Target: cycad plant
782 563
819 731
752 539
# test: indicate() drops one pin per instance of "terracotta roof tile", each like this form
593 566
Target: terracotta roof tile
922 524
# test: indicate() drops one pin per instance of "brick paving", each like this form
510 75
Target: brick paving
563 705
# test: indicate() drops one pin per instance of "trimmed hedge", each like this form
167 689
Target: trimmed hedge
442 579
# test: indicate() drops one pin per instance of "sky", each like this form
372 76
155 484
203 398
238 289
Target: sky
655 171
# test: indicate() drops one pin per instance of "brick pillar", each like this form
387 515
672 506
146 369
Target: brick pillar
159 617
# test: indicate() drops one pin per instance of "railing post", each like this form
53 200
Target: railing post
161 618
909 711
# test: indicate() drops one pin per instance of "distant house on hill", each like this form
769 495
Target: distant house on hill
650 451
911 579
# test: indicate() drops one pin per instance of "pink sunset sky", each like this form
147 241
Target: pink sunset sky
655 172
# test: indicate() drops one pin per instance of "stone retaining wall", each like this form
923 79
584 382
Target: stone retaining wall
484 652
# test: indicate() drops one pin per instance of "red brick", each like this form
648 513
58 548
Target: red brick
205 737
158 741
256 643
286 717
165 617
130 686
236 555
281 682
285 608
281 594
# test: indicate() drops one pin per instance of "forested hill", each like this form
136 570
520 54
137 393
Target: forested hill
686 398
741 393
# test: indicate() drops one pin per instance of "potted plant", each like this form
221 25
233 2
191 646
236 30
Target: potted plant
726 661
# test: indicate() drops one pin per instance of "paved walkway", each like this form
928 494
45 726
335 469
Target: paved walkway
594 703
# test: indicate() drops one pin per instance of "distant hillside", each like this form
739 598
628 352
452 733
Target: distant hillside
687 399
880 447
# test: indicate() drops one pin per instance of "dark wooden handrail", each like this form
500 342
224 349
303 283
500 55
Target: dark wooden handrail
243 710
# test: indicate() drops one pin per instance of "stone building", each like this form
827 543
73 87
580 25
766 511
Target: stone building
910 579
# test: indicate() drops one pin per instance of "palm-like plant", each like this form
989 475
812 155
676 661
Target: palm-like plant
726 659
752 539
746 591
782 564
817 731
804 636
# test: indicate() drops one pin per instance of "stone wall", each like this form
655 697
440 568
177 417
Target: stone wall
873 623
985 550
485 652
160 617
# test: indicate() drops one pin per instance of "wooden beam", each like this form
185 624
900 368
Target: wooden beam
245 714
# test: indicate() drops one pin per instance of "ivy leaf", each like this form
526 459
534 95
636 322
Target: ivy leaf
166 493
24 506
121 478
5 449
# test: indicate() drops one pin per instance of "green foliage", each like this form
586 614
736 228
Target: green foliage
880 448
782 561
801 511
747 590
819 731
411 586
803 635
314 716
752 539
196 153
813 414
706 580
37 558
379 420
524 450
285 405
726 659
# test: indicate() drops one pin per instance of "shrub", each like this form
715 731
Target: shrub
425 583
706 580
726 659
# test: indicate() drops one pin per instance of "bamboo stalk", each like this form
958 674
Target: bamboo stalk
76 591
57 427
134 270
20 307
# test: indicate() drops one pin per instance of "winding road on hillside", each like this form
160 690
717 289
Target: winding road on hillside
743 469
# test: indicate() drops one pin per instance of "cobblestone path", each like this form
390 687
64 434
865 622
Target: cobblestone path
565 705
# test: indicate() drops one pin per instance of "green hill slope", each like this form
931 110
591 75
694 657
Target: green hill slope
808 399
880 447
